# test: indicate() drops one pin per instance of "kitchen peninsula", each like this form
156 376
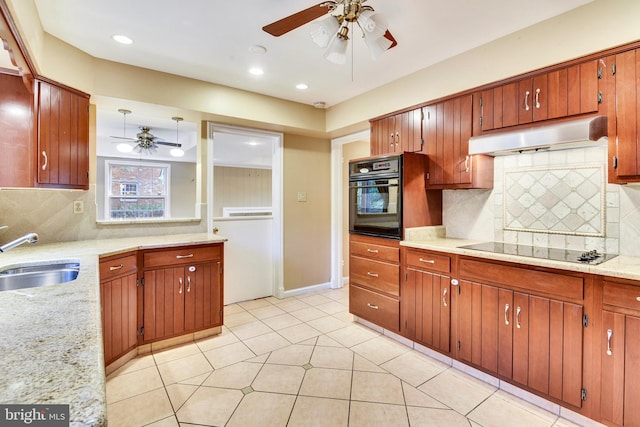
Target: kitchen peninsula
51 337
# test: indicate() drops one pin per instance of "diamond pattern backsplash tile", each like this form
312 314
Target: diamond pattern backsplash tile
559 200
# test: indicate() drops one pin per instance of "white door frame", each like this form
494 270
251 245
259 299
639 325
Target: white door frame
336 201
276 193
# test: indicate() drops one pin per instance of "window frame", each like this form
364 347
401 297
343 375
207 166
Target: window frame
108 164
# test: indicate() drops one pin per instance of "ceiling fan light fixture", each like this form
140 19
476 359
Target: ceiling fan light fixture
322 32
377 46
372 24
337 51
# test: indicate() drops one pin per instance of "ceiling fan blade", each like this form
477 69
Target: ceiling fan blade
122 137
298 19
169 144
389 37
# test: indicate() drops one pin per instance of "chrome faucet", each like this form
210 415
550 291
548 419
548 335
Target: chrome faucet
27 238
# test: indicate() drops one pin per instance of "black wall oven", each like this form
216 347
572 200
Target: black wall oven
375 196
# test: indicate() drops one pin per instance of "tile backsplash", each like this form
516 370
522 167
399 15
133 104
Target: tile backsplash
530 189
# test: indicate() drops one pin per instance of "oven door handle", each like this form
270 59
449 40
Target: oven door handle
374 186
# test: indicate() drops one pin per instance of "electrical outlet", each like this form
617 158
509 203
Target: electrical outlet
78 207
302 196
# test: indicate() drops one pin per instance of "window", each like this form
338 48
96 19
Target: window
137 190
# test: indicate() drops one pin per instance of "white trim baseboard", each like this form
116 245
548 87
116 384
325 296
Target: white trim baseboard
306 290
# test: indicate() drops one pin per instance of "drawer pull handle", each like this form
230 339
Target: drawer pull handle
609 334
373 251
46 160
184 256
518 310
506 314
188 283
180 281
372 274
375 307
428 261
117 267
444 297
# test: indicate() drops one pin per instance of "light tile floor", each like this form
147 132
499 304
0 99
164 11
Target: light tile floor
303 361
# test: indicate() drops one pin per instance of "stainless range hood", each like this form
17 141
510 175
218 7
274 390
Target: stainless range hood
571 134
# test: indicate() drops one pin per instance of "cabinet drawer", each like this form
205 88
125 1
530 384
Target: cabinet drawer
113 267
185 255
382 310
378 275
428 261
626 296
532 281
378 252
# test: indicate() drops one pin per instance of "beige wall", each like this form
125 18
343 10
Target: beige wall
307 225
352 150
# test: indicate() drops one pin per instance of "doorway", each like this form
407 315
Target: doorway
244 174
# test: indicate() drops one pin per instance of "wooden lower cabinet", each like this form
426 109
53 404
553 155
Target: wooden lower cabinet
181 297
513 330
118 294
426 299
374 274
620 355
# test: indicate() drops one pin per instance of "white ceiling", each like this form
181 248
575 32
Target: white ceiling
210 40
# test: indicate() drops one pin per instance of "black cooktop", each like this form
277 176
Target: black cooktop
591 257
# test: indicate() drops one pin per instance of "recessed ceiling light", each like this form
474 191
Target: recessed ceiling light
256 49
122 39
256 71
302 86
177 152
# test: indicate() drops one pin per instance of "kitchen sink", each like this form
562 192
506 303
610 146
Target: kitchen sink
36 275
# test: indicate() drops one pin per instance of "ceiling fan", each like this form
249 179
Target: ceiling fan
146 142
333 31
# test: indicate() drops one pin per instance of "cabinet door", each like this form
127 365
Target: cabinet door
612 374
631 370
410 308
63 137
429 316
434 143
627 81
383 136
119 314
164 292
202 296
16 145
408 131
469 322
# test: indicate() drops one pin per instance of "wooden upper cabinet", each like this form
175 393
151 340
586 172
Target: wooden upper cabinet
397 133
565 92
624 113
63 136
447 127
16 137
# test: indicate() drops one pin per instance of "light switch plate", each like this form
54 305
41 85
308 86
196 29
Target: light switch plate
302 196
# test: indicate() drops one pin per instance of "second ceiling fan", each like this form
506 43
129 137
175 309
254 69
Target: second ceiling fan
333 31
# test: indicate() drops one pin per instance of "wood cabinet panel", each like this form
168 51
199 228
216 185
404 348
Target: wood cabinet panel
620 295
380 276
428 261
16 134
375 307
187 254
560 285
63 136
376 252
397 133
426 309
119 306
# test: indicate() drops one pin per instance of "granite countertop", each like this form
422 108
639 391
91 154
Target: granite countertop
51 337
626 267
